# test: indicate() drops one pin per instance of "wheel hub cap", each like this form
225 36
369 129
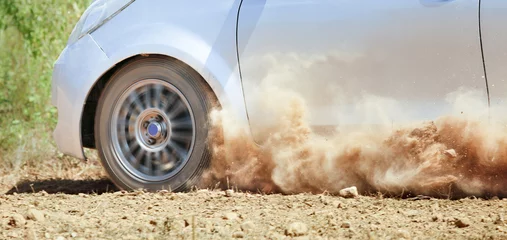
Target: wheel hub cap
154 129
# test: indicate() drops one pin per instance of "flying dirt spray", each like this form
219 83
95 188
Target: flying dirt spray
453 156
449 157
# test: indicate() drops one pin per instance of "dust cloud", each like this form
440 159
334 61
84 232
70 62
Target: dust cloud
461 154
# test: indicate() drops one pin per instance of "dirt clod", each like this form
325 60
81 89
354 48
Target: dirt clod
350 192
411 213
345 225
238 234
451 153
500 220
248 226
16 220
31 235
436 217
230 216
229 193
404 234
462 222
296 229
34 214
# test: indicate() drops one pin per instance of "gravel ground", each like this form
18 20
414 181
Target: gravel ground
109 214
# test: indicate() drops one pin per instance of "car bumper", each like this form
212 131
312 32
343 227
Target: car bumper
74 73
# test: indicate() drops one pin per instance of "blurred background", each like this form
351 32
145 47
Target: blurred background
32 34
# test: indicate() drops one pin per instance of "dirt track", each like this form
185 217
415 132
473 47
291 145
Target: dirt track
211 214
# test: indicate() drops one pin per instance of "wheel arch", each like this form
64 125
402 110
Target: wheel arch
87 120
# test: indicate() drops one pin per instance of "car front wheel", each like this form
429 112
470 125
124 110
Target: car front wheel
151 125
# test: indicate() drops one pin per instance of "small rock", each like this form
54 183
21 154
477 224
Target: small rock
402 233
411 213
36 215
229 192
500 220
83 195
178 225
419 197
435 207
230 216
495 198
462 222
31 235
451 153
163 192
323 200
350 192
238 234
217 229
436 217
337 204
73 234
332 222
47 235
296 229
345 225
17 220
14 235
248 226
60 238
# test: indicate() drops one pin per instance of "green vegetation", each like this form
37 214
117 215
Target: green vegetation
32 34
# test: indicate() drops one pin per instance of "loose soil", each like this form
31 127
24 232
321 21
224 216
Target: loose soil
93 209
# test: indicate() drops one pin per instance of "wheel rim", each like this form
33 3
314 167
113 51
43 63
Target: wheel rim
152 130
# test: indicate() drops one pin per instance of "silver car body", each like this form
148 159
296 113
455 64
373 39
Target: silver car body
337 52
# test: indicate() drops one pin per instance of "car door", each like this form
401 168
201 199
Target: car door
358 61
494 38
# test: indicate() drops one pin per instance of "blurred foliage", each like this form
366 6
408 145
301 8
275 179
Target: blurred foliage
32 34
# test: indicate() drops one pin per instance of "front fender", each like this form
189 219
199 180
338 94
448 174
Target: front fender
204 38
188 48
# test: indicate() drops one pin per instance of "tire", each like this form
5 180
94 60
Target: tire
151 125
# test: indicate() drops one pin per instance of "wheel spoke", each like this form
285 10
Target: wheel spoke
134 144
148 163
182 136
147 96
122 134
131 128
123 113
157 99
183 123
177 150
134 100
157 164
170 101
136 160
177 108
168 161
